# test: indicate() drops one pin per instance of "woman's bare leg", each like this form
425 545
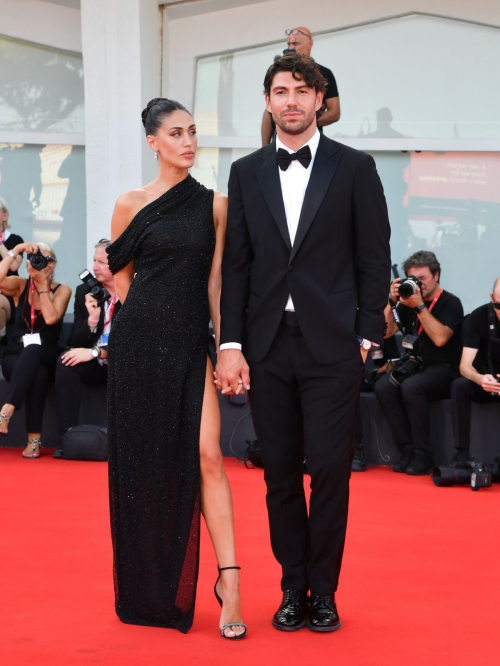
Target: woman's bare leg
217 505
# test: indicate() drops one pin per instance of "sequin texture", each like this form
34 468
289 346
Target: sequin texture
157 362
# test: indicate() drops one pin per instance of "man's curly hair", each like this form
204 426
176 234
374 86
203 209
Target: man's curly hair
302 67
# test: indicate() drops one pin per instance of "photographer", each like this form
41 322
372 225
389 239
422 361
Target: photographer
480 369
86 361
8 241
30 359
431 320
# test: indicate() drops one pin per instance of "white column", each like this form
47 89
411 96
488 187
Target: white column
121 57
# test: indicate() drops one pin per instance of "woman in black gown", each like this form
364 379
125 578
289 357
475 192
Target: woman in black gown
165 463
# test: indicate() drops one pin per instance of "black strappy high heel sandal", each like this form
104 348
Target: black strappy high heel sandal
236 637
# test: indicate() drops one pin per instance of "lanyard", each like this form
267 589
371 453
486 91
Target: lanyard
430 308
111 310
33 315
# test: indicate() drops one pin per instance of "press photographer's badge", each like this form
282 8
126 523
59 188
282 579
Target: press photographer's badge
32 339
103 340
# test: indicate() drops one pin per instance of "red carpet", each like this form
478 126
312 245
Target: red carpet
420 583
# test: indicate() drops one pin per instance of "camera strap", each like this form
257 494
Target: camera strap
421 328
33 316
111 310
492 339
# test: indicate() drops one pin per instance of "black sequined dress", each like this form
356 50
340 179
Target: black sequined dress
157 364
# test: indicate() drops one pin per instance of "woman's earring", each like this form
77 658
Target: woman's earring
156 155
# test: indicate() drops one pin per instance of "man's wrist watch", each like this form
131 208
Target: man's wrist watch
12 254
419 308
365 344
96 352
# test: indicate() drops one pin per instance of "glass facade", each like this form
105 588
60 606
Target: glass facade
417 77
41 89
41 93
446 202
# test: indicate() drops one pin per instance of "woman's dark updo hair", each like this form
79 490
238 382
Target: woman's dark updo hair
153 116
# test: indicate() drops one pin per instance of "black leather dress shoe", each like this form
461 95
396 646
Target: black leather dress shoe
358 462
405 460
421 463
58 454
291 615
459 460
323 614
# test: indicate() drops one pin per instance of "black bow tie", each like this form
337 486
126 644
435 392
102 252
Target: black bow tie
285 158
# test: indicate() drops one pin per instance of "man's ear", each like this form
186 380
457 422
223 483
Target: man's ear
319 101
268 103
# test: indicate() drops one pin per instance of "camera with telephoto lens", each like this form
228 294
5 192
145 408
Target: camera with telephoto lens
409 286
100 294
406 366
38 261
477 474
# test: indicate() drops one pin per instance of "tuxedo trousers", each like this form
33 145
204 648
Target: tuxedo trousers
303 409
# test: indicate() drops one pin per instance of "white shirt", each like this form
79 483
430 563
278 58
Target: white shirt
294 182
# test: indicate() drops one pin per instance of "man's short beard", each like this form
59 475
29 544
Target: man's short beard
295 127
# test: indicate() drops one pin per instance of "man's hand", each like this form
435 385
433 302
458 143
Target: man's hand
413 301
490 384
394 290
76 356
232 374
92 308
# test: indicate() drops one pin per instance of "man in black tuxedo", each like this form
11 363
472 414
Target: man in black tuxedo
304 283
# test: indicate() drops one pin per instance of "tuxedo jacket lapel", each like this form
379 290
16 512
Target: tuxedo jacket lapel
324 167
269 181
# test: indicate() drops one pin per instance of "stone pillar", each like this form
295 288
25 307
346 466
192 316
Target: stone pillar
121 44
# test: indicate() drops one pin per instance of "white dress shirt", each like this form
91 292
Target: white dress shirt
294 182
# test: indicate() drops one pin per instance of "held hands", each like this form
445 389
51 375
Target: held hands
490 384
232 374
76 356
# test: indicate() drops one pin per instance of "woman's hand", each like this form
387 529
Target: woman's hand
40 278
92 308
76 356
29 248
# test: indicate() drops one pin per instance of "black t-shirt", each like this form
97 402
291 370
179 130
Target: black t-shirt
448 310
476 334
331 89
10 244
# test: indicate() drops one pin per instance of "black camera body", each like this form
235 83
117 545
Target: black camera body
96 289
407 366
38 261
409 286
477 474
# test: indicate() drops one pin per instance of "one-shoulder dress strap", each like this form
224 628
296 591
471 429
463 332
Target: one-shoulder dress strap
123 250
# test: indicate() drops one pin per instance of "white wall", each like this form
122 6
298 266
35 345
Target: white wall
41 23
188 38
121 58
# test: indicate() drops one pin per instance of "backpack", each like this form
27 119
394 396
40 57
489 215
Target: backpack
85 442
